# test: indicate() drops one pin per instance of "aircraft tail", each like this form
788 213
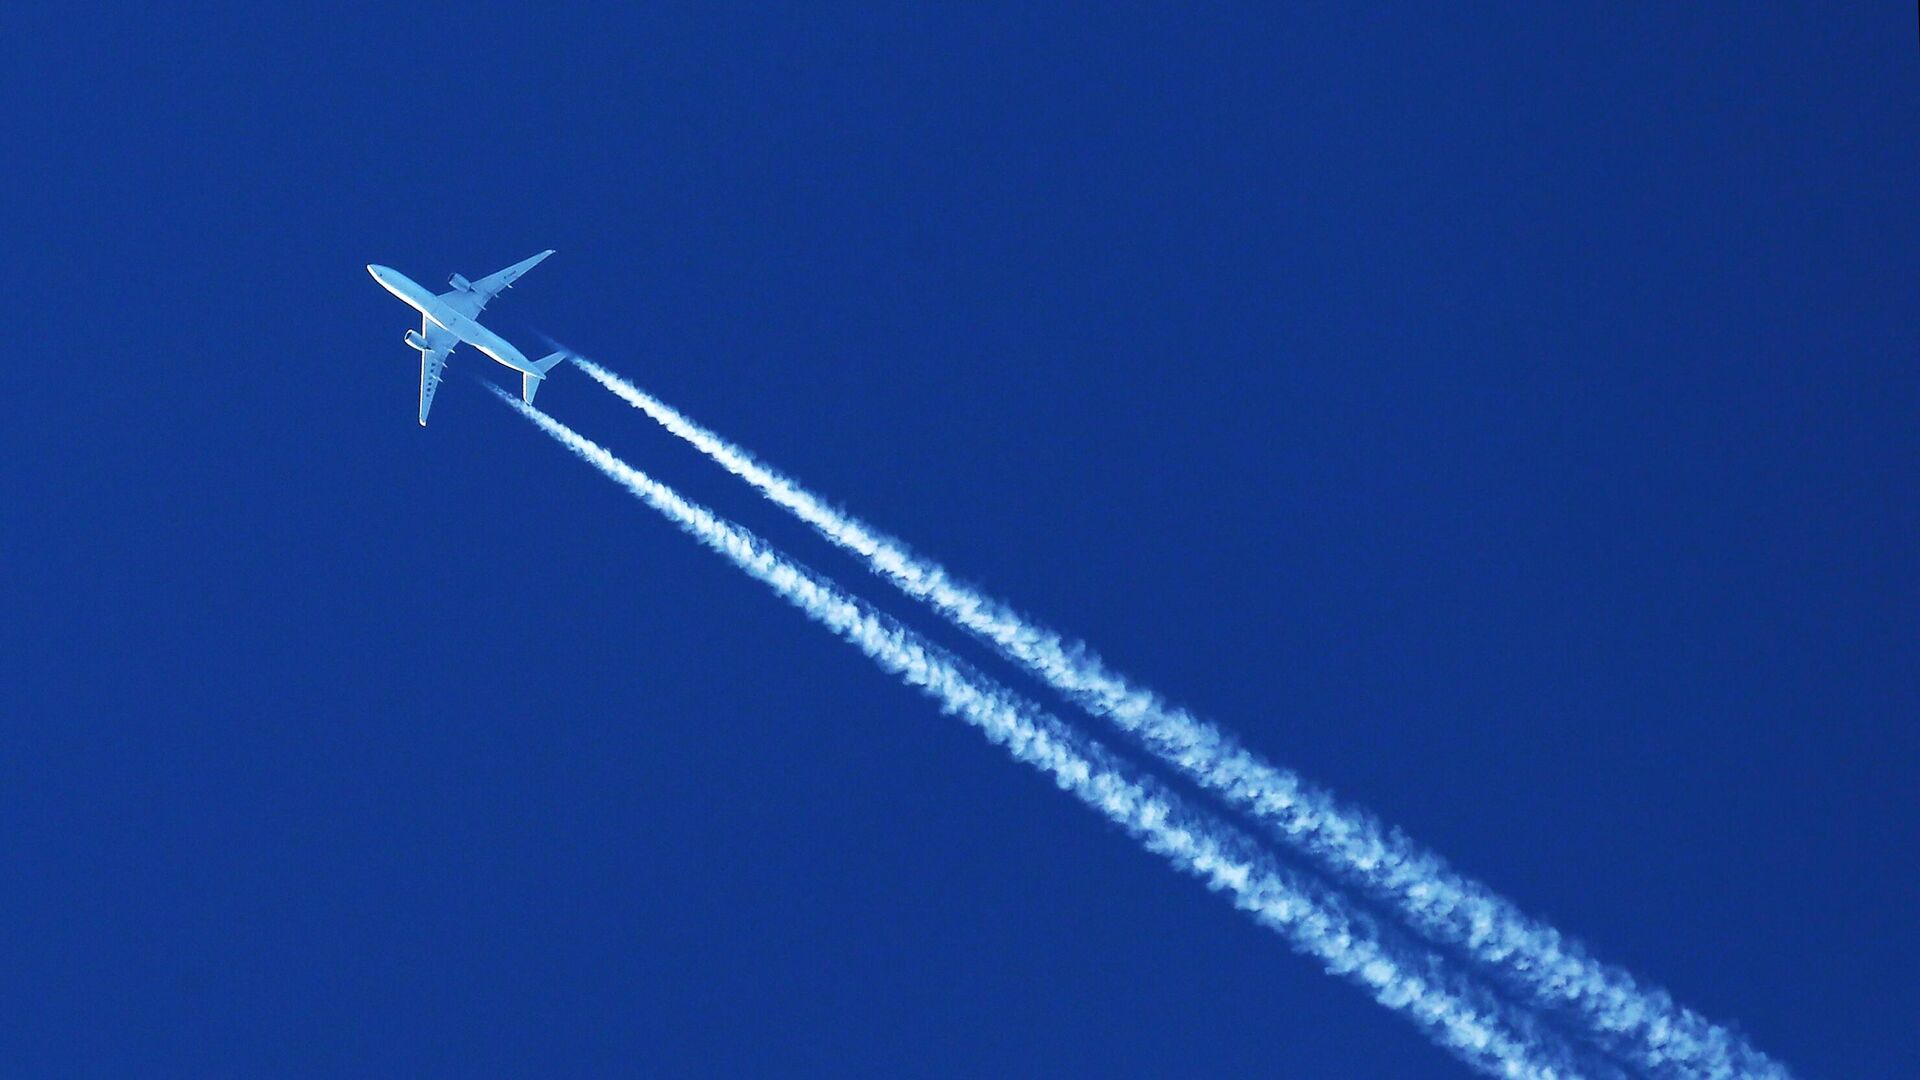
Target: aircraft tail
530 383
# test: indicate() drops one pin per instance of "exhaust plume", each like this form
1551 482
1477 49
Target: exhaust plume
1468 1022
1641 1023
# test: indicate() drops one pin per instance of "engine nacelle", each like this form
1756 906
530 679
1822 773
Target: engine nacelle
414 339
460 283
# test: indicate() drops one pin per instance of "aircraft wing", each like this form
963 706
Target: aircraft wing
433 360
472 297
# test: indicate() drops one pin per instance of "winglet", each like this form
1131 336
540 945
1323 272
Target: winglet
525 265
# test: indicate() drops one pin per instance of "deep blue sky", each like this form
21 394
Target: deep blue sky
1506 419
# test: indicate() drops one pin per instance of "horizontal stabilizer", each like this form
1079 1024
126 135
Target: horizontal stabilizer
530 383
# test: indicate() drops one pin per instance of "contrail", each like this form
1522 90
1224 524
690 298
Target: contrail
1642 1023
1473 1026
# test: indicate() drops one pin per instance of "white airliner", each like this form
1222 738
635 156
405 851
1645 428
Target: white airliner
447 320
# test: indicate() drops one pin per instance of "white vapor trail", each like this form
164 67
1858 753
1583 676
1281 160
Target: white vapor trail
1471 1024
1641 1023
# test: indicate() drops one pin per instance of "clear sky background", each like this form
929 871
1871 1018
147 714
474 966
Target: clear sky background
1505 419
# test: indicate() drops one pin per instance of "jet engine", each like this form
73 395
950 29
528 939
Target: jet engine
414 339
460 283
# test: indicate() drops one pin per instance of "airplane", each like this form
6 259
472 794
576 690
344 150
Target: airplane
447 319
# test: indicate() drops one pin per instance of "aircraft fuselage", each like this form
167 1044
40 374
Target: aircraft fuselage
467 330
